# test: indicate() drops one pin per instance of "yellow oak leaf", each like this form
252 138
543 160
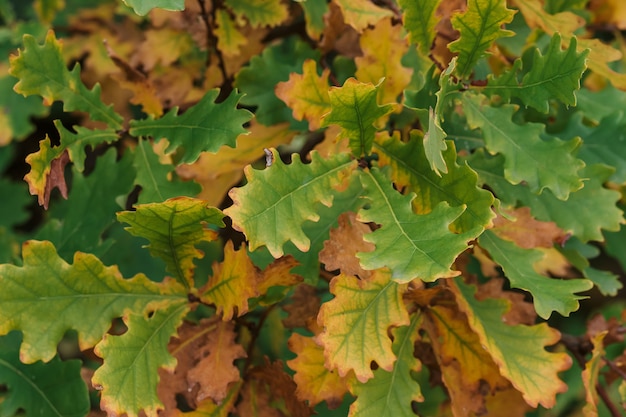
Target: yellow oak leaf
233 283
519 351
163 46
566 23
260 12
306 94
591 373
343 244
218 172
215 370
361 13
229 38
609 12
278 274
467 370
356 322
383 47
47 171
315 382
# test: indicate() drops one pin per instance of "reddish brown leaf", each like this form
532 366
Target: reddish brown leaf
345 241
215 370
527 232
302 311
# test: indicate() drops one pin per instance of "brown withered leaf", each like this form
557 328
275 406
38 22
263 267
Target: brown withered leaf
187 349
599 324
255 401
55 178
338 35
281 386
345 241
302 311
526 231
215 370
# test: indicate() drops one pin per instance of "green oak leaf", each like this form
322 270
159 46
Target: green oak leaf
519 351
435 144
528 158
155 178
258 80
174 228
555 75
41 70
419 20
16 112
204 127
584 214
314 11
459 187
391 393
410 245
596 105
128 382
75 143
549 294
77 224
271 208
142 7
479 26
54 389
318 232
259 12
84 296
354 109
605 143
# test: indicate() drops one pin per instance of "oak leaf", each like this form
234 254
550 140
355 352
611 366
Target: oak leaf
174 228
303 309
419 19
356 322
468 371
526 231
383 47
256 401
315 382
128 382
233 283
259 12
142 7
215 370
229 38
47 171
306 94
344 242
271 208
361 13
392 393
519 351
84 296
354 108
591 373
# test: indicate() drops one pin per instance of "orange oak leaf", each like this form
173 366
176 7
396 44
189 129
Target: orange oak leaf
233 283
343 244
281 386
303 309
526 231
383 48
306 94
356 322
315 382
277 274
468 371
215 370
47 172
218 172
144 93
208 407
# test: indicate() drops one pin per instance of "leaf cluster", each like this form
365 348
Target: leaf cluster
262 207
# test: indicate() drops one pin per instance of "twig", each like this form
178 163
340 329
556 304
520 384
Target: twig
211 39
